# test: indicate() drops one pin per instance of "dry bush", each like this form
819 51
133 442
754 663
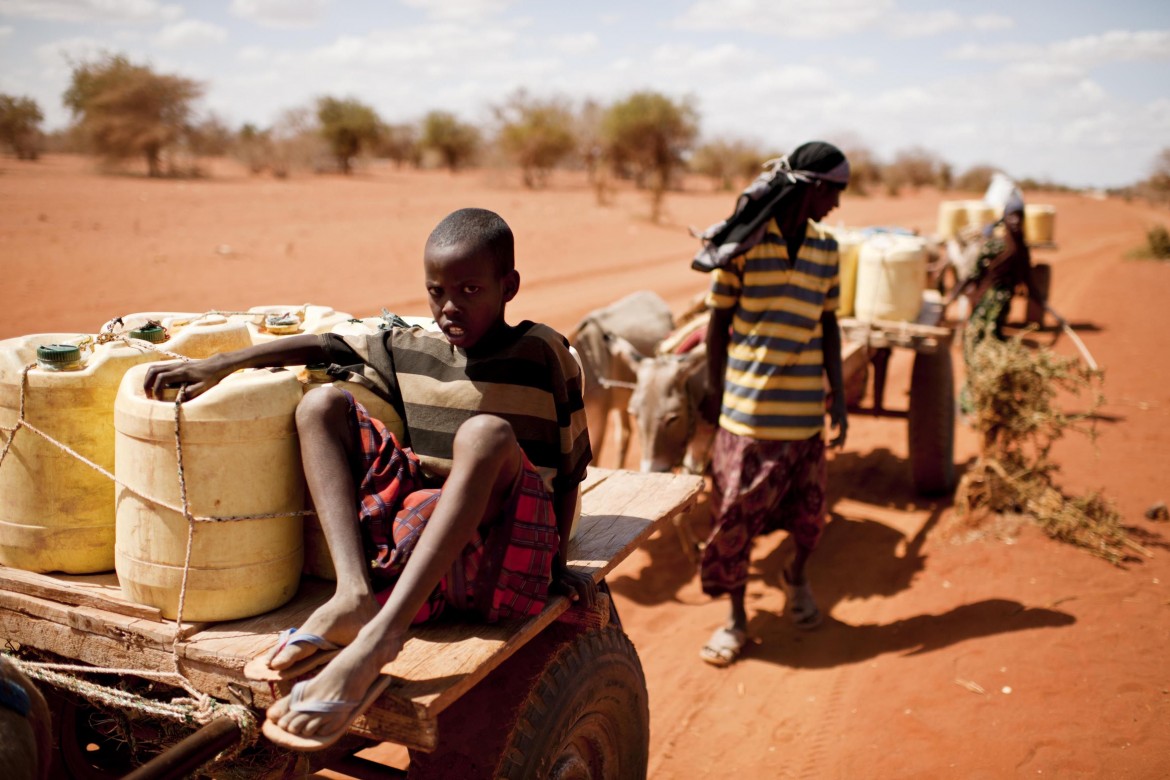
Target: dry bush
1015 391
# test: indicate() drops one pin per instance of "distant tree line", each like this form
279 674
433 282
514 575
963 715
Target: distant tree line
122 110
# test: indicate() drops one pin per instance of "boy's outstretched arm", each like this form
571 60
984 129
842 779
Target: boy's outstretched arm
201 375
578 586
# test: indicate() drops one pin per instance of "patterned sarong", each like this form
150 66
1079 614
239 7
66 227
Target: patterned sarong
759 487
503 571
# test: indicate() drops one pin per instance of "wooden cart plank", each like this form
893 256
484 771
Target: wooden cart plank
92 590
879 334
437 665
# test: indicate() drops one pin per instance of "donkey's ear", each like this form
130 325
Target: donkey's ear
625 351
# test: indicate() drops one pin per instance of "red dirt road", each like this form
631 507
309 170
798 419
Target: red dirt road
941 656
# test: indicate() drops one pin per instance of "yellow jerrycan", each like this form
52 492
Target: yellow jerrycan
1039 223
188 334
317 560
952 218
272 322
240 459
57 513
849 243
891 275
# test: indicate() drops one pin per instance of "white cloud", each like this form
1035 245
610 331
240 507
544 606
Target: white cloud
424 48
462 10
930 23
1114 46
1000 52
774 84
786 18
91 10
189 32
1087 51
281 13
854 66
575 43
80 48
992 22
924 24
5 31
713 63
253 54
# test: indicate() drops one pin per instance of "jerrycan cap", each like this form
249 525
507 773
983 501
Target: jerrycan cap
318 372
152 332
57 357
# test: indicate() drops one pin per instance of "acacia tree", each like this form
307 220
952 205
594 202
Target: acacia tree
455 141
125 110
1159 179
20 126
916 167
536 134
400 144
296 141
347 126
727 161
649 133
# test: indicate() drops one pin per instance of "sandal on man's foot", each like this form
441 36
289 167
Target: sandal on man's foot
800 606
724 646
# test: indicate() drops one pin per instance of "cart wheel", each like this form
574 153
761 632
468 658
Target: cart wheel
587 716
87 745
1042 279
932 423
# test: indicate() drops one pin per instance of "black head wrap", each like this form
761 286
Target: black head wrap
782 179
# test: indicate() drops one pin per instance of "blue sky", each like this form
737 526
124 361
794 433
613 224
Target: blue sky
1073 91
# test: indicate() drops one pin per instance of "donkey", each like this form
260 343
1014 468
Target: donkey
640 320
668 391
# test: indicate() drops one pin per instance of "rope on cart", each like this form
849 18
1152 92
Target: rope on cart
198 709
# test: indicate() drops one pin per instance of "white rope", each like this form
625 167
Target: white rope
200 709
610 383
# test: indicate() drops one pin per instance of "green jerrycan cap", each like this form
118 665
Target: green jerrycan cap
59 356
153 332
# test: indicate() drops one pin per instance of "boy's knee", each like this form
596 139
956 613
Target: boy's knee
485 435
321 403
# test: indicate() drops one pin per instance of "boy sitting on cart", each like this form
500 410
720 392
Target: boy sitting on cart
493 415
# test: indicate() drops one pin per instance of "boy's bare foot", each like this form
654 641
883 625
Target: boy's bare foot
331 700
338 620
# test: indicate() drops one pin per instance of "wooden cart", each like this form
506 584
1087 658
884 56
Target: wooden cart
562 693
931 413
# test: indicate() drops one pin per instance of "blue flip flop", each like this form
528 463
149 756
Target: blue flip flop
258 668
322 740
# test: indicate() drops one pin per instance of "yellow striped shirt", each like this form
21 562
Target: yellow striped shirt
773 387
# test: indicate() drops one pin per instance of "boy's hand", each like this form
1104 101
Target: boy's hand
198 375
579 587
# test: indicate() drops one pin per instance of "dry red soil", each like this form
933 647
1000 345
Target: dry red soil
941 656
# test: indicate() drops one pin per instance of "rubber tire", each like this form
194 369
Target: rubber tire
586 717
932 423
1042 280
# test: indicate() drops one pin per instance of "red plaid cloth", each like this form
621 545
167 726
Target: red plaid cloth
503 571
